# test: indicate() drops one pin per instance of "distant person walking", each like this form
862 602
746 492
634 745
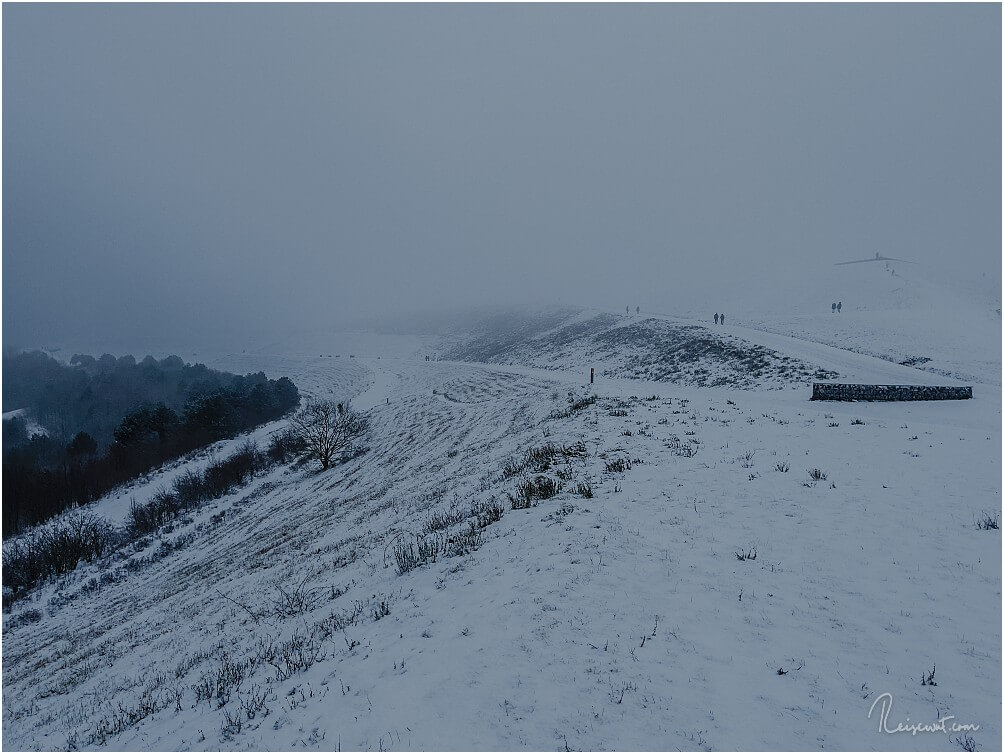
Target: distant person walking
723 319
627 309
833 308
637 310
840 305
716 318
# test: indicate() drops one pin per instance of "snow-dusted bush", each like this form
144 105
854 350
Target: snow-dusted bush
147 517
220 477
538 488
56 548
486 513
295 600
23 618
285 444
411 556
465 541
988 521
193 488
441 520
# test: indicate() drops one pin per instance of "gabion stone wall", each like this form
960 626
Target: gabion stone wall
828 391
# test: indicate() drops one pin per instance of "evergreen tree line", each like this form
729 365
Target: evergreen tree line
176 408
92 395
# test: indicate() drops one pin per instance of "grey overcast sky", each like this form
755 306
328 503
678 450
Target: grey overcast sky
205 170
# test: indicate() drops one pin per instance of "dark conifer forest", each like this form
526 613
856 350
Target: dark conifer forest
108 420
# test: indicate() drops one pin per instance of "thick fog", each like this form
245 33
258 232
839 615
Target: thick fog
197 172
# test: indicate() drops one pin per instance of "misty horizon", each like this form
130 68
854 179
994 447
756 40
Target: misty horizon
196 172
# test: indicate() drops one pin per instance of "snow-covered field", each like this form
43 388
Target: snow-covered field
709 595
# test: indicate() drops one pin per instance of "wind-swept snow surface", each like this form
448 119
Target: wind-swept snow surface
721 569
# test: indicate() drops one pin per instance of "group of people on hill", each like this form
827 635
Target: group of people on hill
835 308
719 319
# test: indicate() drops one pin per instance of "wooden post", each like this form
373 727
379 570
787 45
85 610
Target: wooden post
592 373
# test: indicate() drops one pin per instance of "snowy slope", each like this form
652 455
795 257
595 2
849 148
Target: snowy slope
641 347
947 320
626 620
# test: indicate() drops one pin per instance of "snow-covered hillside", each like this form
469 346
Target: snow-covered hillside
722 568
943 321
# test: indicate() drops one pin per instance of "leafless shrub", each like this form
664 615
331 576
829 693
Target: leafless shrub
240 467
566 509
150 516
617 695
817 475
465 542
988 521
298 653
575 450
182 668
523 498
512 468
217 685
24 618
965 742
382 610
284 445
486 513
55 548
581 403
540 459
538 488
441 520
295 601
125 716
339 621
618 465
927 678
412 555
232 724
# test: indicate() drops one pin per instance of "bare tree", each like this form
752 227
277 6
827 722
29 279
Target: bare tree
326 428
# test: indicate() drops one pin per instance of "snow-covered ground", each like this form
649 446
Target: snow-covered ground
945 321
710 595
